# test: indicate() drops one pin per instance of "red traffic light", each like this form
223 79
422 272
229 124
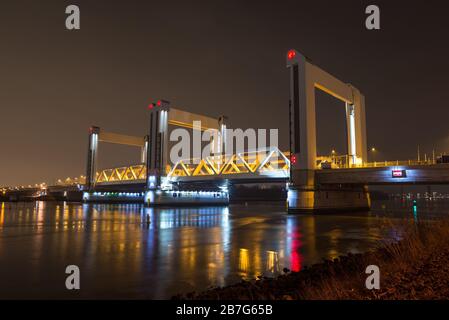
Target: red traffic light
151 106
291 54
159 103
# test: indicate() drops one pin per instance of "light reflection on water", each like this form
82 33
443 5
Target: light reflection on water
123 254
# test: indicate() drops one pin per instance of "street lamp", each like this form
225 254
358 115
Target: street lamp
373 151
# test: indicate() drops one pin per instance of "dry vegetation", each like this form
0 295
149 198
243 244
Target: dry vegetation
417 267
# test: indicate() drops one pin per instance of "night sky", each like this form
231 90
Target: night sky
211 57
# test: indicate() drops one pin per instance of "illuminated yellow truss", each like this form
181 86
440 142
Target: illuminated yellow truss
131 173
259 162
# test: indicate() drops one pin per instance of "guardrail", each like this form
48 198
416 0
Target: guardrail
393 163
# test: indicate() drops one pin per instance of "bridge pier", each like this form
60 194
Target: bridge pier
328 199
307 195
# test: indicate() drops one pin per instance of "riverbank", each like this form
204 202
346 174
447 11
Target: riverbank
416 267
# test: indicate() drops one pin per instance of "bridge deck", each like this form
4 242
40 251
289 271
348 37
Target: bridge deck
417 174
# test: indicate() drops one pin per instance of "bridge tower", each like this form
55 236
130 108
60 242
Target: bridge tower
305 193
159 190
157 151
97 135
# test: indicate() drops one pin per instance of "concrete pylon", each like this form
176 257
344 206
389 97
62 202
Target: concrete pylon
91 167
157 151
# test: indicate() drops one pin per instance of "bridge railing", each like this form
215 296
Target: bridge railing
334 161
393 163
342 162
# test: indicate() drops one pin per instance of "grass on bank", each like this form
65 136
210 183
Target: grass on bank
416 267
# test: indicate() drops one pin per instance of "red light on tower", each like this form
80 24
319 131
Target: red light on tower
293 159
159 103
291 54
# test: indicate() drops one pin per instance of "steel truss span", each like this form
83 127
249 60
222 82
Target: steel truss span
266 162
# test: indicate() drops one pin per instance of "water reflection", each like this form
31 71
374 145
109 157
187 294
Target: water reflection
272 265
294 242
130 251
243 262
415 211
2 214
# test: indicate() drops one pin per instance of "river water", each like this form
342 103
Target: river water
129 251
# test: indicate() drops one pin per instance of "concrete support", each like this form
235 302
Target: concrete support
157 152
356 129
91 167
144 150
328 199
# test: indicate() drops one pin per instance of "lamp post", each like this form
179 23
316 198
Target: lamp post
333 153
373 151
